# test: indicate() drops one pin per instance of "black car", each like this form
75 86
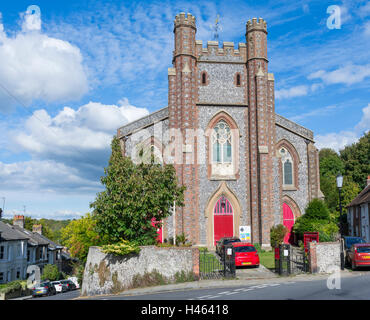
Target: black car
220 245
69 283
45 288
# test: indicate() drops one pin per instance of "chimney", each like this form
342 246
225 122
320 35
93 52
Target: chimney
368 180
37 228
18 221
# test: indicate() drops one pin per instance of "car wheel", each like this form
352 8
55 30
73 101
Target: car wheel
353 266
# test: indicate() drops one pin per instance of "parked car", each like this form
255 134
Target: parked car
359 255
59 287
348 242
43 289
245 254
220 244
70 285
75 281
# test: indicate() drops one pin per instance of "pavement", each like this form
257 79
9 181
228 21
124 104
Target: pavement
244 278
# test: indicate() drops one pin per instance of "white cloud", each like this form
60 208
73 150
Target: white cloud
296 91
348 74
367 29
343 138
35 66
68 150
76 137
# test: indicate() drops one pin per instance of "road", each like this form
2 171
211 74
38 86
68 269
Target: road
351 288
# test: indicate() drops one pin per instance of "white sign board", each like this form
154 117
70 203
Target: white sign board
229 251
286 253
245 233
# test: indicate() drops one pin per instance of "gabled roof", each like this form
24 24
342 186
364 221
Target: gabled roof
8 232
363 197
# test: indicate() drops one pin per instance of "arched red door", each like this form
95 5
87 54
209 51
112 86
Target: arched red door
288 221
223 219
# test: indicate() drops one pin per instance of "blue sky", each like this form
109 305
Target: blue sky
69 79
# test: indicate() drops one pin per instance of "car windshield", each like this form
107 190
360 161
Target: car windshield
363 249
353 240
44 284
231 241
245 249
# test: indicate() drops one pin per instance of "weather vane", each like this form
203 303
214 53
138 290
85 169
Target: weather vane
217 27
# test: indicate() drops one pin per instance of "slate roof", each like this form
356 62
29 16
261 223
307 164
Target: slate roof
52 245
363 197
34 238
8 232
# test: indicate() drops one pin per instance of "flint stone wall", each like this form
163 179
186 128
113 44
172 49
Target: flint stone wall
323 256
109 274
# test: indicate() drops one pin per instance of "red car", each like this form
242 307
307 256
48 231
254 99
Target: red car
359 255
245 254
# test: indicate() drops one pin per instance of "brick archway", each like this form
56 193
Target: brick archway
223 190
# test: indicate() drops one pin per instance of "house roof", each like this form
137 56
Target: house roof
34 239
52 245
363 197
8 232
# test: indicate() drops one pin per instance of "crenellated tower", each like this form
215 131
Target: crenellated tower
261 130
183 118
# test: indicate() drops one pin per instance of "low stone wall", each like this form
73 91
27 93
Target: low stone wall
107 273
323 256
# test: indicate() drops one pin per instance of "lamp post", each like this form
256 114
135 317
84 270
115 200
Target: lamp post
339 186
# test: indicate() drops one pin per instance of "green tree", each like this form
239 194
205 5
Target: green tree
50 272
30 222
79 235
317 218
356 158
135 194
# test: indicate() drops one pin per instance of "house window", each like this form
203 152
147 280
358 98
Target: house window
2 248
18 274
287 162
28 255
1 276
221 143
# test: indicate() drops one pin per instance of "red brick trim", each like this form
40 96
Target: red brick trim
293 205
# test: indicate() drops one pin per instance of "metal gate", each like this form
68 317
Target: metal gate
290 260
211 266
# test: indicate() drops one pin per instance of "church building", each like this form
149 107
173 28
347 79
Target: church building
245 167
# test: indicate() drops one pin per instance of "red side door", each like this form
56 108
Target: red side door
223 222
288 221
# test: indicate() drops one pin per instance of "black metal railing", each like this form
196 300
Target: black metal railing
213 266
290 260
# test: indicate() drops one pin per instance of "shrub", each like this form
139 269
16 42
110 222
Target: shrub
51 273
184 276
148 279
277 234
317 210
316 219
13 286
121 248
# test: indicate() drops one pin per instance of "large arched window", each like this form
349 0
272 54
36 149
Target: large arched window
288 165
222 143
222 147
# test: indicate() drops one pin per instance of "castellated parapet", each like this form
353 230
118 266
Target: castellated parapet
213 50
255 24
181 20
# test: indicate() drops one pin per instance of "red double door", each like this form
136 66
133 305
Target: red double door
288 221
223 219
